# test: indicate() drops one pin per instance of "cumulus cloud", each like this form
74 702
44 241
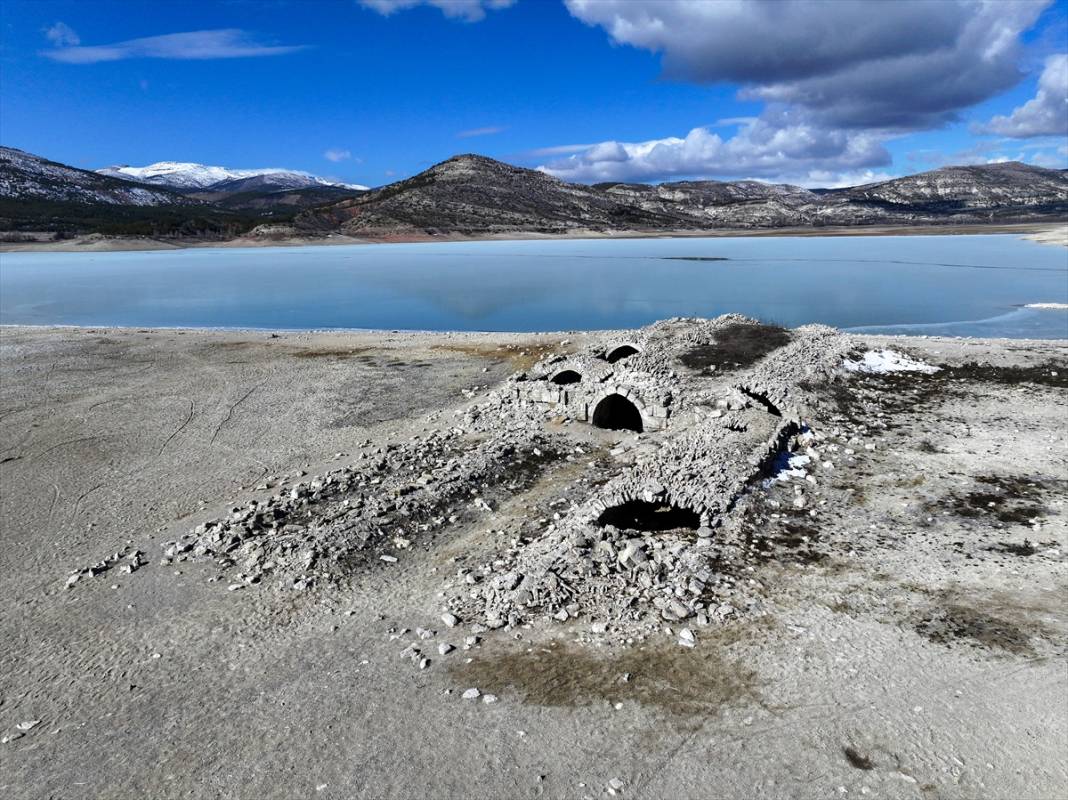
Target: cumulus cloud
837 80
776 149
1044 115
848 63
336 154
193 45
62 35
1042 151
487 131
467 10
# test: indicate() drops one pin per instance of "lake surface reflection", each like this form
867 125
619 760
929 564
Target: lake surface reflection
947 285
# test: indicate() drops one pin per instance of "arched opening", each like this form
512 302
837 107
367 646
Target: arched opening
619 353
617 413
638 515
762 398
565 377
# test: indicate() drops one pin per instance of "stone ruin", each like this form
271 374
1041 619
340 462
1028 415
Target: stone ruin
610 387
644 540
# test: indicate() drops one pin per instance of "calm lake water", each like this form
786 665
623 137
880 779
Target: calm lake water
951 285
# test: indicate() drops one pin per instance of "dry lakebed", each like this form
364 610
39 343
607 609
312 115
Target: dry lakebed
702 559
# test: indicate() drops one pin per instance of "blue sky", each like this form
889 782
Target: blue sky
819 93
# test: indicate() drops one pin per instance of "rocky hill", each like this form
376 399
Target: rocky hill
24 176
474 195
471 195
186 200
183 175
1000 189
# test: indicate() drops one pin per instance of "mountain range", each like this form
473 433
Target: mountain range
188 176
164 199
471 195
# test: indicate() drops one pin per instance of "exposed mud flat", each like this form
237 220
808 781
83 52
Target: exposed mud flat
1046 233
906 631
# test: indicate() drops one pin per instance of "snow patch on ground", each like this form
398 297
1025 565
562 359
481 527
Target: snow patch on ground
787 466
884 361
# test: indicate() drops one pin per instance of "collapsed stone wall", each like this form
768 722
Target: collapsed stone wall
722 435
710 435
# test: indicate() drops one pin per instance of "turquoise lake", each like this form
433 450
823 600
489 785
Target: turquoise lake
944 285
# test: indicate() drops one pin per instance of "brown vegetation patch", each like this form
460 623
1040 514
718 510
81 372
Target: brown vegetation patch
956 622
994 620
1015 549
737 345
338 353
678 680
519 356
1011 499
861 396
857 760
290 350
1051 373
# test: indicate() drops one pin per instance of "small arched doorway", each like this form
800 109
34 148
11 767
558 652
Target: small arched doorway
565 377
617 413
621 352
638 515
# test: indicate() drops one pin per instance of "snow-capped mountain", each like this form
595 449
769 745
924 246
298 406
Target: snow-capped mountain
24 176
195 177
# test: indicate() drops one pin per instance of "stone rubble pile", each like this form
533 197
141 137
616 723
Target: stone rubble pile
632 580
323 527
708 436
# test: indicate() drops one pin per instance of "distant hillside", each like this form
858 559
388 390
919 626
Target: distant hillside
471 195
273 202
1003 190
25 176
41 195
474 195
189 176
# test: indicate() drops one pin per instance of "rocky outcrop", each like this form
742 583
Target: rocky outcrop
637 540
473 195
24 176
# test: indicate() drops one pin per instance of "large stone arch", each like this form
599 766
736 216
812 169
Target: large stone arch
650 516
621 350
657 495
614 406
566 376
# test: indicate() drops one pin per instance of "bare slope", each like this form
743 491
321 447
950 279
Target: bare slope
474 195
471 194
24 176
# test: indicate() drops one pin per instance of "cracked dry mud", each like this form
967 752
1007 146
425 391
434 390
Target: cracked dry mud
271 565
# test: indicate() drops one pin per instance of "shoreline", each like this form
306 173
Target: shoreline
924 535
412 334
1054 233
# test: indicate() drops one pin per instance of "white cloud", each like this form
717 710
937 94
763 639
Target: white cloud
838 79
556 150
62 35
780 150
846 63
1044 115
1048 151
336 154
487 131
224 43
467 10
824 179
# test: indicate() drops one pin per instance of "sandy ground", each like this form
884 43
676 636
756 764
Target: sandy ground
913 647
1041 232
